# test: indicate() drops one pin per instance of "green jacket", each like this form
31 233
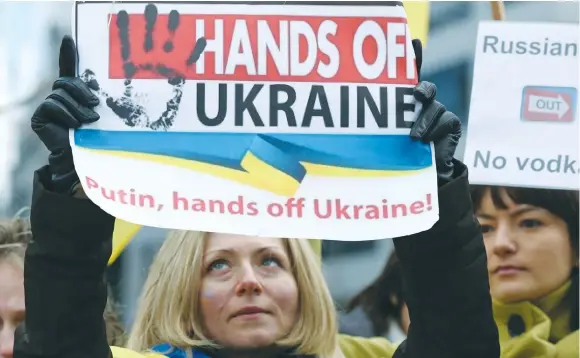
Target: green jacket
538 330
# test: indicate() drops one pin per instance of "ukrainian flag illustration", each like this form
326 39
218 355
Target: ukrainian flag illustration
272 162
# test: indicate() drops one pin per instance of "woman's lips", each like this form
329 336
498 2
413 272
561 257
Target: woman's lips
249 313
508 270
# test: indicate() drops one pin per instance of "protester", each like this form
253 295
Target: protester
15 234
379 309
531 239
114 327
67 259
251 291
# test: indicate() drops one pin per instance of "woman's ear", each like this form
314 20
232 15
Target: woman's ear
418 48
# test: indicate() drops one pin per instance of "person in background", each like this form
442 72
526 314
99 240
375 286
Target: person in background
380 309
15 234
531 239
116 335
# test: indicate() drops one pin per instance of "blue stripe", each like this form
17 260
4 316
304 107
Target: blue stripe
171 352
377 152
273 155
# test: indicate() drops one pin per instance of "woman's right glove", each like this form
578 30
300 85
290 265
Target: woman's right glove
69 106
435 123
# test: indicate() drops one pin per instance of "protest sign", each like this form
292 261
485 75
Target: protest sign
523 120
258 120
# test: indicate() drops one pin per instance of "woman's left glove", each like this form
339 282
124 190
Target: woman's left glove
435 124
70 105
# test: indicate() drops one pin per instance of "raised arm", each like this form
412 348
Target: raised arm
445 268
445 271
65 291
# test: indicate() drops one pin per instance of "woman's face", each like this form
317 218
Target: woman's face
249 297
11 306
405 321
528 248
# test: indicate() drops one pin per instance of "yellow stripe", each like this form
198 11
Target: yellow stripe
266 177
330 171
258 174
119 352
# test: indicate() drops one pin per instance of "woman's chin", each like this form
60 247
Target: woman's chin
254 338
514 292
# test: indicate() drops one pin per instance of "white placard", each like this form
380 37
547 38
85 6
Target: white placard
523 120
258 120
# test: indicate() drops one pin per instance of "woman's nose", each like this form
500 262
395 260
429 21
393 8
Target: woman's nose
248 283
503 243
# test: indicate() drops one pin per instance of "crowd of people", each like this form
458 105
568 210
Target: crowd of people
531 241
497 275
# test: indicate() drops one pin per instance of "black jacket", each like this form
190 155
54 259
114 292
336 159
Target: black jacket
444 267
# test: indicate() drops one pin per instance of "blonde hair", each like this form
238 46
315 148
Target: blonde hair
15 235
116 335
168 310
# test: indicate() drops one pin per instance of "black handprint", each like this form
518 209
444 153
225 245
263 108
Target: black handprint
127 106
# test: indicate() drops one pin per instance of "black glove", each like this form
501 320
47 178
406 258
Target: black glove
69 106
435 123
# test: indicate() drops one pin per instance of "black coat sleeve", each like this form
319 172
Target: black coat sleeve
64 266
447 287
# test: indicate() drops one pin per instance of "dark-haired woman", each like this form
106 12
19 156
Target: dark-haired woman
390 319
531 239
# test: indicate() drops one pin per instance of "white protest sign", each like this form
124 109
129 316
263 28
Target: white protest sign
262 120
523 120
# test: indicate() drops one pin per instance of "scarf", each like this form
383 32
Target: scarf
206 352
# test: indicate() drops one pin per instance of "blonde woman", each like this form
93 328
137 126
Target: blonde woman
251 291
220 295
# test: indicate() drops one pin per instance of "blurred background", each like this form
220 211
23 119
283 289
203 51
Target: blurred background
30 34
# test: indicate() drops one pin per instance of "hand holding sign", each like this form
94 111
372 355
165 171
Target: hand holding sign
69 106
436 124
127 107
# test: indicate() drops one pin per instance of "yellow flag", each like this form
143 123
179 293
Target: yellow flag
122 236
418 19
317 247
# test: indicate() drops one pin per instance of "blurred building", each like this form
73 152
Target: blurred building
348 266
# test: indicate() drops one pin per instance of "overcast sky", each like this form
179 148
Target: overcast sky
23 46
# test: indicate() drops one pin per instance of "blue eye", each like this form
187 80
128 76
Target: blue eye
271 261
218 265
